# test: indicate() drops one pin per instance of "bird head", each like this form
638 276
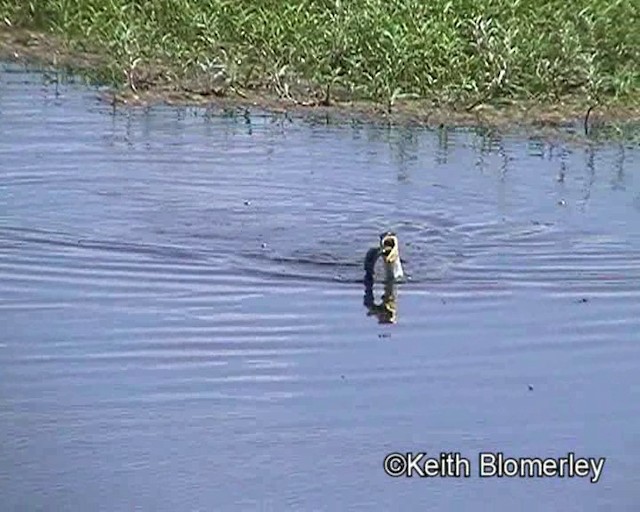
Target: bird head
389 247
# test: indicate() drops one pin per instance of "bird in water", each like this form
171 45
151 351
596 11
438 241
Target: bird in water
386 310
388 249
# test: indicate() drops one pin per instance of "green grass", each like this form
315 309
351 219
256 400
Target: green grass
450 52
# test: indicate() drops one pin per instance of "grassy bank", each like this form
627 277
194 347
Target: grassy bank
445 52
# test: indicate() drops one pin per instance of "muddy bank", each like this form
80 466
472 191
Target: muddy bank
145 86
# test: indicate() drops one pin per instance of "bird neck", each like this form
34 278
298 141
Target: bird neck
394 269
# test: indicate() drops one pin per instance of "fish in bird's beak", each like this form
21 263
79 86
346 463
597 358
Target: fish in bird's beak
389 247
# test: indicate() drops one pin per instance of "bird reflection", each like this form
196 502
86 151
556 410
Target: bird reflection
386 309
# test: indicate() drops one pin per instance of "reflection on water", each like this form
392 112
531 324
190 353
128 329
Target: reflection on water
183 324
386 310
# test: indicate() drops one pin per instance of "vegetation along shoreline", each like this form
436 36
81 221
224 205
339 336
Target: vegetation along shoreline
496 63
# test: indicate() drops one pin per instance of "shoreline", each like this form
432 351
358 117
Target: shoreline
581 116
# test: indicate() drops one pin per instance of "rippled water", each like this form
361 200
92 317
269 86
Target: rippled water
183 324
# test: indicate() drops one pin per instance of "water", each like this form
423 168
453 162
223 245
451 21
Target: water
183 324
